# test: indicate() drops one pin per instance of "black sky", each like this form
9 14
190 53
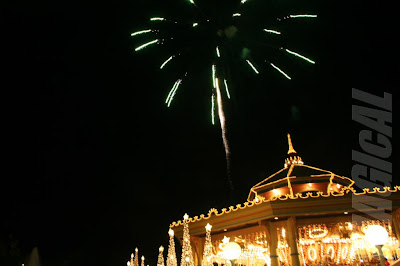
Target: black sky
95 165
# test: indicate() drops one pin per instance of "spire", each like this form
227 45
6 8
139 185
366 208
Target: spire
291 150
292 158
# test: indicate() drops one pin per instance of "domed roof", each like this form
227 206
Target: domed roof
296 177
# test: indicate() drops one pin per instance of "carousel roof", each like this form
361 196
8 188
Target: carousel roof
335 197
296 172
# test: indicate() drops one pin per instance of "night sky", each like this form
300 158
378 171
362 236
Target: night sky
96 165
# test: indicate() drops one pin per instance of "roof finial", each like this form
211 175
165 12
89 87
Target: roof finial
291 150
292 158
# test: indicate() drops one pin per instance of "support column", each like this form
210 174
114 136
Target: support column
200 250
396 222
292 240
273 244
195 243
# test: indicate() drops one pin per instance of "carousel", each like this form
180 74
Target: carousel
300 215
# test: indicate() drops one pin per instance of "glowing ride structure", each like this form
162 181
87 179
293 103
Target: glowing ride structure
301 215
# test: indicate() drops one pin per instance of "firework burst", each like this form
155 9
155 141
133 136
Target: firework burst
219 35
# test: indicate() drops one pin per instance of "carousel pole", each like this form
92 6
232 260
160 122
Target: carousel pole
273 244
292 241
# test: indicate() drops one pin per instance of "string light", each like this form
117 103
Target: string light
314 256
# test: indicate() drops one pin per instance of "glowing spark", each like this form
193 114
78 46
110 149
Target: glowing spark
219 101
272 31
213 75
221 116
253 67
236 15
283 73
157 19
176 88
243 1
140 32
218 54
227 90
172 92
195 24
303 16
299 55
192 2
145 45
166 61
212 109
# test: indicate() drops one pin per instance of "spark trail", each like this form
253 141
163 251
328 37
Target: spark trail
222 120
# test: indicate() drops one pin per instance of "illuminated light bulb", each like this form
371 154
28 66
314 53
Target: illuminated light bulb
142 257
276 218
136 249
283 232
208 227
171 232
236 15
276 191
186 216
350 226
338 185
232 251
376 235
195 24
225 240
187 259
309 184
132 256
128 263
161 249
172 257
